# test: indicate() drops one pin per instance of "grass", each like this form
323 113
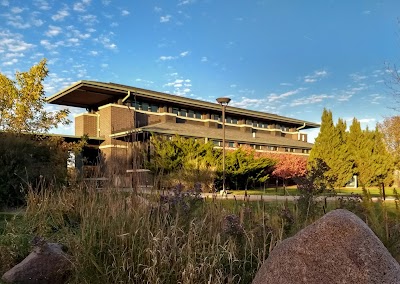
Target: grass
119 237
292 190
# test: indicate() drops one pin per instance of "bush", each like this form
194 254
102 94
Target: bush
27 161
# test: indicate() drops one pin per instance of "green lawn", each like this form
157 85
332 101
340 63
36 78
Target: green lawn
292 190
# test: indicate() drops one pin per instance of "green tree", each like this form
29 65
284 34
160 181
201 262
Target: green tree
324 148
182 160
243 168
341 165
22 103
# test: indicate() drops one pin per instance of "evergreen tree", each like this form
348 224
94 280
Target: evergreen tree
341 166
323 150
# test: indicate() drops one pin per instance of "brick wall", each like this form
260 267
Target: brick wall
86 124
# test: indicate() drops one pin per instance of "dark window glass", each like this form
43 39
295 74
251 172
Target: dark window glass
145 106
234 121
175 110
154 108
190 113
198 115
182 112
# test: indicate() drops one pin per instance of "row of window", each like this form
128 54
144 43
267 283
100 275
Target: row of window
231 144
145 106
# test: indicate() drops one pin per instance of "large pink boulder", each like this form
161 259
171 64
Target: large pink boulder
338 248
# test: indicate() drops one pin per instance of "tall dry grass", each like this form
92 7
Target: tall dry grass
119 237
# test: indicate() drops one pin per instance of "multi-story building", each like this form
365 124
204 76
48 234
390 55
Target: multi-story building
122 114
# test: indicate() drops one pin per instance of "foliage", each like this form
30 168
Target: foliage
22 103
28 161
289 166
359 152
180 160
390 129
244 168
372 163
187 161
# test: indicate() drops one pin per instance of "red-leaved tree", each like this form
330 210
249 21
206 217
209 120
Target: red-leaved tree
289 166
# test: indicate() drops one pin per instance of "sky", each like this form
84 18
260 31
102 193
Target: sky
287 57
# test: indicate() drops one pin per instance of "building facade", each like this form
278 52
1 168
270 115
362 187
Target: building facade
121 114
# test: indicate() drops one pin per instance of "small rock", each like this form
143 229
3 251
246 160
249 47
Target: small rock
338 248
46 264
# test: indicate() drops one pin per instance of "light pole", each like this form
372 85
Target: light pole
223 102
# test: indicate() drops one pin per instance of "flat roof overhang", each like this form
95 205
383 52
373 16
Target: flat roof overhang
91 95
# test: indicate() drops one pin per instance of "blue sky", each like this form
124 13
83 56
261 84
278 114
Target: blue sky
292 58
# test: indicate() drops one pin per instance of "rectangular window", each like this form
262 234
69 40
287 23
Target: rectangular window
183 112
217 143
217 117
198 115
145 106
231 144
154 108
228 119
175 110
249 122
273 148
234 121
190 113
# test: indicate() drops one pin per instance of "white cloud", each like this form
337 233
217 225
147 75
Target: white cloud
79 7
106 41
17 22
166 58
13 54
144 82
60 15
104 65
10 62
357 77
42 4
5 3
37 22
246 102
277 97
88 20
181 87
183 54
125 13
165 19
310 100
13 42
53 31
367 120
16 10
157 9
204 59
316 76
185 2
94 52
